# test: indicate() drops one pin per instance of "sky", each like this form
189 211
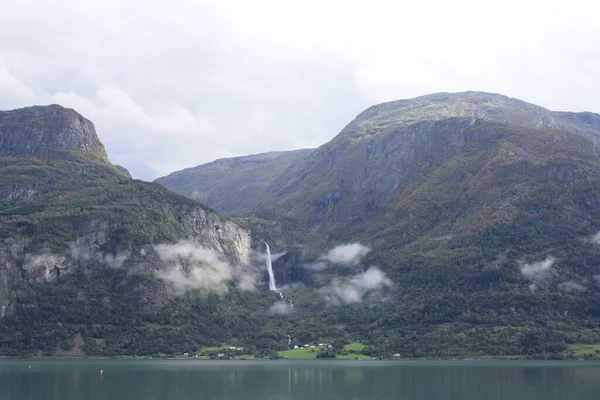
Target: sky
178 83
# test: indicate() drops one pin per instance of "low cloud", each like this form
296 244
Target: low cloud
596 238
350 290
497 263
281 307
572 287
189 266
83 253
348 255
317 266
539 273
262 257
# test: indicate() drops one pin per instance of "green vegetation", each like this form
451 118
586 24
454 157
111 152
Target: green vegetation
301 353
214 349
354 347
452 209
353 356
582 350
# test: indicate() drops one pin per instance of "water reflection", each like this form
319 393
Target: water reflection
283 380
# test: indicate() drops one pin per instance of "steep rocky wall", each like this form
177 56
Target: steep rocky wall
51 132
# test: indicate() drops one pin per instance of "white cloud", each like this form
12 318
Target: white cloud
572 287
179 84
281 307
347 254
348 290
189 266
13 93
539 273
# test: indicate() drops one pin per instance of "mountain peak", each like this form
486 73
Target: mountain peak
386 117
439 106
49 132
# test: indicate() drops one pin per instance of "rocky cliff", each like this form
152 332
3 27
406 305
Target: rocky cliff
49 132
65 209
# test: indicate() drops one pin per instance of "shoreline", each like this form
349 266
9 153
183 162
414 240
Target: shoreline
192 359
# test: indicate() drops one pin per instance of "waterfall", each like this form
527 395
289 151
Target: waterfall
272 285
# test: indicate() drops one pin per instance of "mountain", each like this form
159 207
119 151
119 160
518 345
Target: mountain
481 209
92 261
397 157
212 183
450 225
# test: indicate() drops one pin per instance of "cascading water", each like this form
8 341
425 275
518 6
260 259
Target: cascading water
272 285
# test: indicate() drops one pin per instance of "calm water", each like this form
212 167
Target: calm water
285 380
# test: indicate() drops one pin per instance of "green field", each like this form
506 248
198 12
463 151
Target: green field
301 353
356 346
215 349
582 349
352 351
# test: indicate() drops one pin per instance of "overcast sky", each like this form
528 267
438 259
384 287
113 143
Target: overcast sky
173 84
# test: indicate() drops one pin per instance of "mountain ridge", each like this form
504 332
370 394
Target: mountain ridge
451 236
202 184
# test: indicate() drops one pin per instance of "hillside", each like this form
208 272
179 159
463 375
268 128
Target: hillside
451 225
87 252
481 209
212 183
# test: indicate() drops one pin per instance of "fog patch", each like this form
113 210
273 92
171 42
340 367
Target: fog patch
190 266
572 287
291 287
281 307
81 253
538 273
350 290
247 281
262 257
595 238
347 254
317 266
497 263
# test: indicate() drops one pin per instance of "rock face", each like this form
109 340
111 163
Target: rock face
218 184
51 132
64 208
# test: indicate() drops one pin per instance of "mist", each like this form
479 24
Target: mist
85 253
281 307
350 290
188 266
347 255
539 273
572 287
